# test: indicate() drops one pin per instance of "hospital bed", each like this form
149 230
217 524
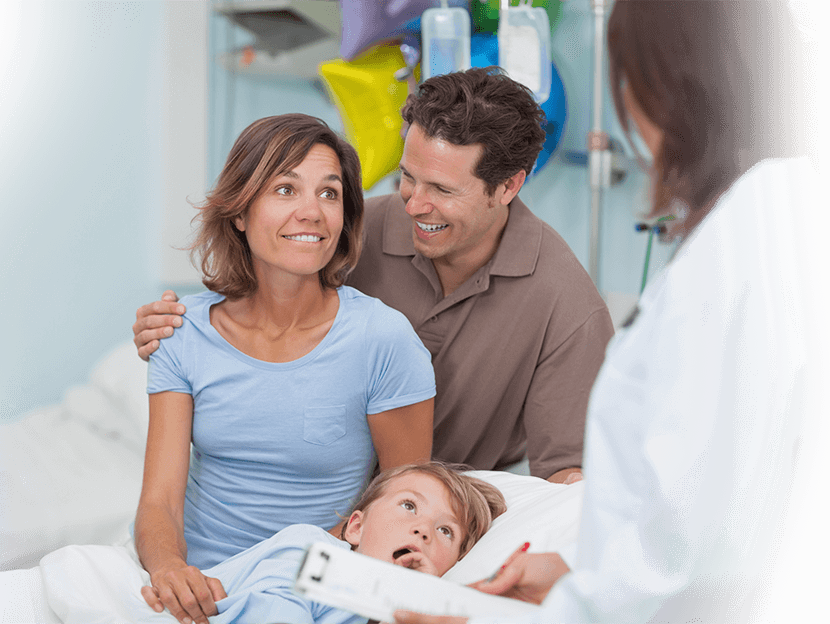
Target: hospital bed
71 474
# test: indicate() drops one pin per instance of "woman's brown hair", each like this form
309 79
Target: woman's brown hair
265 150
721 80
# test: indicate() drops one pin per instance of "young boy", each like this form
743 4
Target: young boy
425 517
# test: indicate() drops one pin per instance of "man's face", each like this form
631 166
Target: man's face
453 218
413 524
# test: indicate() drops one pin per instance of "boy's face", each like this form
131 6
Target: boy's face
413 525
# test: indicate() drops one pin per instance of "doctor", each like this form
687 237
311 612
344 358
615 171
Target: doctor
696 416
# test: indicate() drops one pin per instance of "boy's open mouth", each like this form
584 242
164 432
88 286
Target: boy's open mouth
401 552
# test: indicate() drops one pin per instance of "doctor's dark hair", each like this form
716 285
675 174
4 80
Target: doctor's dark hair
721 80
482 106
265 150
475 503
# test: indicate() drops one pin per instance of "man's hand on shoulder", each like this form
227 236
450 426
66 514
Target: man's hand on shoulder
155 321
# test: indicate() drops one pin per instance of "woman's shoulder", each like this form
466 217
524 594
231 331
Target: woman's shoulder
196 319
200 300
198 305
371 308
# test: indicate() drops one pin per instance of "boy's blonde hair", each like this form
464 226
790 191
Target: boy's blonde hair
475 503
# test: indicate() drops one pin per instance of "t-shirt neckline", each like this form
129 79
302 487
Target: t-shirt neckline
226 346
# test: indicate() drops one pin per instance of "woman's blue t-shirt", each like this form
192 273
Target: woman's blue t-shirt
276 444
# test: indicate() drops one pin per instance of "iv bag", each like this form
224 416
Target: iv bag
445 40
524 47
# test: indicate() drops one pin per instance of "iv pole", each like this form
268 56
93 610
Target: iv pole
598 141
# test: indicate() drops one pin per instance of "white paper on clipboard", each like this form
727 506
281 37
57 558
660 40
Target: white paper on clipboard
375 589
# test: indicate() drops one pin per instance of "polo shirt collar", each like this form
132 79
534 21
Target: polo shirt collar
518 250
520 243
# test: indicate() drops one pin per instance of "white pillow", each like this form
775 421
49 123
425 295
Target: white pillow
121 376
542 513
62 483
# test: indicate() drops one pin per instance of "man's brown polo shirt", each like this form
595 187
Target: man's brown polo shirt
515 349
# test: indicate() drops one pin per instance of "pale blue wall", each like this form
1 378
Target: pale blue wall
80 187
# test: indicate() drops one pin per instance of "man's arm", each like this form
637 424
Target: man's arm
155 321
557 400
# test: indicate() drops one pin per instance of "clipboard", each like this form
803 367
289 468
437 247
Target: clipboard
375 589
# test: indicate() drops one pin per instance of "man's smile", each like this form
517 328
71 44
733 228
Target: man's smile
431 227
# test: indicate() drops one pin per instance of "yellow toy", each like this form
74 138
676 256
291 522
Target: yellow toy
369 99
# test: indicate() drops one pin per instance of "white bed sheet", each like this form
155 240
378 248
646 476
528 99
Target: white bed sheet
23 598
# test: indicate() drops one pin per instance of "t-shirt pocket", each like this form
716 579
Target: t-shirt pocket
324 425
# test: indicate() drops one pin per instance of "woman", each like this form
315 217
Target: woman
285 381
695 417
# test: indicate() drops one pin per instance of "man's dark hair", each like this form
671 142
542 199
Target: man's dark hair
482 106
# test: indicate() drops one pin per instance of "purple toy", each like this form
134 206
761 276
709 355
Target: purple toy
369 22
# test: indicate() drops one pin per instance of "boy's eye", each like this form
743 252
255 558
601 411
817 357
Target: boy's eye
408 505
447 531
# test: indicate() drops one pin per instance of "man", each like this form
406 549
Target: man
516 329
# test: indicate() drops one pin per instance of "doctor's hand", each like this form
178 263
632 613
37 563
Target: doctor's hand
155 321
527 577
189 595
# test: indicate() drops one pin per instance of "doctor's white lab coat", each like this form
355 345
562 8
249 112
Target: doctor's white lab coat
695 420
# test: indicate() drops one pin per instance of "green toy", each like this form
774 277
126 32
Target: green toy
486 13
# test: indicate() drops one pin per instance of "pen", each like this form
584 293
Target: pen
510 559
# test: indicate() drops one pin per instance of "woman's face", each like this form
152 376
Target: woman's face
652 135
293 227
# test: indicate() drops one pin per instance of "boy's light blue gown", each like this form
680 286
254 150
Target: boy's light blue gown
259 580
